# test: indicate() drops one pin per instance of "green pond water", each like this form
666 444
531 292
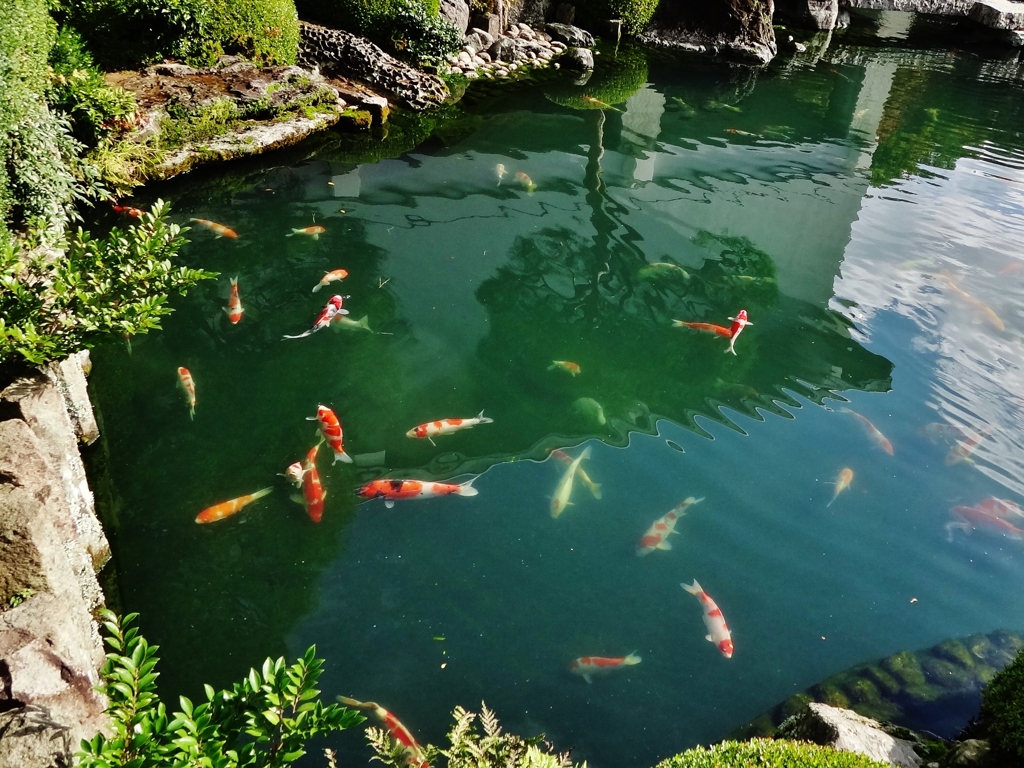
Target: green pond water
864 207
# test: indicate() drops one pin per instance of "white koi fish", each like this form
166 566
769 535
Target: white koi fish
331 310
718 630
564 489
738 324
594 488
432 429
657 535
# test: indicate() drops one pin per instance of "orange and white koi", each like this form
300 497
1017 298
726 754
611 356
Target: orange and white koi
657 535
588 666
738 324
330 428
313 231
707 327
127 210
331 310
1000 507
599 104
234 308
218 229
432 429
874 433
313 493
565 365
187 384
563 491
594 488
526 181
332 276
293 474
390 490
718 631
963 451
842 483
414 755
972 518
228 508
977 304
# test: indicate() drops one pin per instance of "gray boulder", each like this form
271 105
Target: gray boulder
477 41
31 739
504 50
457 12
570 35
487 22
972 753
578 59
848 732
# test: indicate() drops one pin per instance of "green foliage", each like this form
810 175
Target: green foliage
19 597
635 14
421 36
1002 708
767 753
54 302
618 76
264 720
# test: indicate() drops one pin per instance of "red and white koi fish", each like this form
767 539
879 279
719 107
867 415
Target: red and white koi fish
331 310
963 451
218 229
314 231
972 518
594 488
708 327
234 308
565 365
332 276
127 210
228 508
414 755
187 384
657 535
560 499
293 474
842 483
390 490
718 630
330 428
738 324
526 181
1000 507
588 666
432 429
313 493
873 432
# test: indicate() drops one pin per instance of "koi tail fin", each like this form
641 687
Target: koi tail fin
342 457
833 499
467 489
192 412
480 416
234 280
358 704
552 367
316 287
631 660
585 455
730 349
693 589
364 322
595 489
262 492
679 323
293 232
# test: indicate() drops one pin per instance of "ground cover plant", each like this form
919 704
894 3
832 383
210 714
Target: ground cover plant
767 753
1002 710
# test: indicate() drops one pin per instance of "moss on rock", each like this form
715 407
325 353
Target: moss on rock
1002 709
617 77
767 753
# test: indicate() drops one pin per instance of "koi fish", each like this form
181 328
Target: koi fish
738 132
984 309
500 171
330 277
432 429
842 483
127 210
218 229
588 666
685 110
187 384
1010 269
963 451
708 327
589 408
313 493
390 490
332 309
330 428
293 474
228 508
340 321
560 499
665 268
314 231
873 432
594 488
565 365
657 535
1000 507
716 105
234 308
414 755
718 630
937 431
972 518
526 181
599 104
738 324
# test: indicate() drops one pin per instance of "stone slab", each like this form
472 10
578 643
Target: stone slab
849 732
998 14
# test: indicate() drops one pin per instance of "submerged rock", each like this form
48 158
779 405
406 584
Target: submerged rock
578 59
570 35
847 731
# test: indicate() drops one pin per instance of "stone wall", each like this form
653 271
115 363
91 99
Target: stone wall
51 547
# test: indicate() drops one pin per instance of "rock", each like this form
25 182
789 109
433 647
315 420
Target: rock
741 29
504 49
799 47
849 732
513 32
578 59
477 41
32 739
565 13
484 56
172 69
998 14
489 23
457 12
69 376
813 14
527 11
972 753
570 35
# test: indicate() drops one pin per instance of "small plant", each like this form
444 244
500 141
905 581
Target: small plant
768 753
263 721
421 36
19 597
1002 709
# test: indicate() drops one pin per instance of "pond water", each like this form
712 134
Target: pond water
864 206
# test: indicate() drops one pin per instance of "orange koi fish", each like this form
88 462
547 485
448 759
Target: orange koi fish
228 508
842 483
314 231
657 535
973 518
588 666
1012 268
234 308
963 451
331 310
187 384
738 324
127 210
565 365
330 277
293 474
390 490
526 181
718 630
599 104
1000 507
873 432
709 327
218 229
313 493
330 428
738 132
977 304
414 755
594 488
432 429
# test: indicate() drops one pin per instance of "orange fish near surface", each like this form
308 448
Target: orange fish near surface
718 630
234 308
432 429
330 428
390 490
842 483
963 451
127 210
228 508
187 384
313 493
588 666
708 327
314 231
526 181
657 535
873 432
565 365
414 755
218 229
971 518
332 276
1000 507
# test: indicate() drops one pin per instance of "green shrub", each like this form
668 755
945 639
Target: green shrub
768 753
635 14
265 720
617 77
1002 708
422 37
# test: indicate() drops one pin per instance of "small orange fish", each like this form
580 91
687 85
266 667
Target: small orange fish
218 229
977 304
389 490
970 518
234 308
709 327
228 508
565 365
526 181
1012 268
330 277
314 231
432 429
588 666
873 432
127 210
963 451
599 104
842 483
187 384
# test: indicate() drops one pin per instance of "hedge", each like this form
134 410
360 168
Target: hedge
768 753
1002 708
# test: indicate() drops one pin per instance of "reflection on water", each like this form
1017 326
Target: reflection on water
856 462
